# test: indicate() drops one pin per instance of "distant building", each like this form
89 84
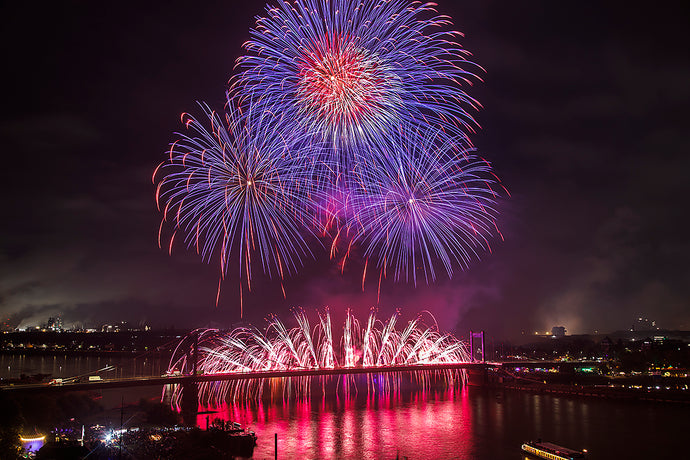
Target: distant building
54 324
647 344
558 331
606 346
117 327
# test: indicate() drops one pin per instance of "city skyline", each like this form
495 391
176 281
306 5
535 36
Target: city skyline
582 118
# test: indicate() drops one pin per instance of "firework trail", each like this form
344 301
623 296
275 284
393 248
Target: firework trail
279 348
239 188
427 201
350 72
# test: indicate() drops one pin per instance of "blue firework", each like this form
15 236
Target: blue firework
239 190
351 71
420 203
348 118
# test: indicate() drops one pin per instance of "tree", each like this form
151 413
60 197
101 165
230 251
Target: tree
11 422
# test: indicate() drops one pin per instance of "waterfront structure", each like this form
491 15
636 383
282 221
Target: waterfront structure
550 451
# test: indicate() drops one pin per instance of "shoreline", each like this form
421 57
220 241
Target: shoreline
597 391
106 353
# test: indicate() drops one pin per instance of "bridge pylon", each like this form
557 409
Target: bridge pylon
477 377
190 401
190 388
477 346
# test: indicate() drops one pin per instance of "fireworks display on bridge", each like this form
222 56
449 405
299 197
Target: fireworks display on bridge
347 126
375 344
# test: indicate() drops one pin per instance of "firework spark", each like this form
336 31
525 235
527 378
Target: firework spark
352 71
279 348
348 119
238 188
419 201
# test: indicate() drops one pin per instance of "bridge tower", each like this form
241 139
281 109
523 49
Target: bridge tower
477 376
190 387
477 346
195 350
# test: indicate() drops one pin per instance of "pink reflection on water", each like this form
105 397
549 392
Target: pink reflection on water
422 424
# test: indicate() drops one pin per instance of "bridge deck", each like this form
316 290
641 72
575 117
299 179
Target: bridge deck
178 379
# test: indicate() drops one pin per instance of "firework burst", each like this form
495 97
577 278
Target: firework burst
424 202
351 71
348 119
238 188
280 348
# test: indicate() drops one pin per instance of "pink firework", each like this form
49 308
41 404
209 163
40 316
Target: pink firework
374 345
347 88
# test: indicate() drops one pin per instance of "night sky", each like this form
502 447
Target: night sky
585 119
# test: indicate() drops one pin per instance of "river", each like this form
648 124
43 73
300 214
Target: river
471 423
467 423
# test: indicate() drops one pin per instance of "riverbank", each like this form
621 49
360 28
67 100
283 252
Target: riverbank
99 353
655 394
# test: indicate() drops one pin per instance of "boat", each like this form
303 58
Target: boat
551 451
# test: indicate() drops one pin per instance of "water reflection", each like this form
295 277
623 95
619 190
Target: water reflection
415 424
468 423
471 423
66 366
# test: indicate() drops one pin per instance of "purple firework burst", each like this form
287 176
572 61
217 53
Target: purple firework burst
348 119
239 188
349 72
421 201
